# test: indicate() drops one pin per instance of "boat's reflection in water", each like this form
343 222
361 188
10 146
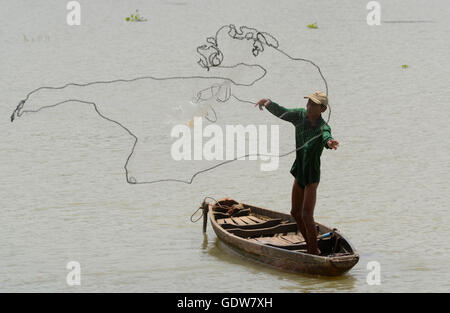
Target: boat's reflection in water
290 282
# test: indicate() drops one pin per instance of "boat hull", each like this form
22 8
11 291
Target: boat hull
284 259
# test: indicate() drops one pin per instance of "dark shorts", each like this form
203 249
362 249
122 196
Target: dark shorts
305 177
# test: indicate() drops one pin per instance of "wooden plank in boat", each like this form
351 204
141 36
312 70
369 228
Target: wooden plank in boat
286 240
221 221
238 221
273 241
279 241
293 238
257 220
282 228
266 224
322 243
263 240
226 221
297 237
248 220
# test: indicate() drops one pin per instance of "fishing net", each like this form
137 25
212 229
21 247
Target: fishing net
239 65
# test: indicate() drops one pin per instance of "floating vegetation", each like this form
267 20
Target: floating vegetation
313 25
405 66
136 17
39 38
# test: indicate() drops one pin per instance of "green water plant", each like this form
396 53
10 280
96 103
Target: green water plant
405 66
136 17
313 25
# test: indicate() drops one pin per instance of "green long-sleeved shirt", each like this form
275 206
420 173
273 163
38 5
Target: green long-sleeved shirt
309 142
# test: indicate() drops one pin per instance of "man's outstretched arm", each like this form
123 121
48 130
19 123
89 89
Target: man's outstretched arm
328 140
290 115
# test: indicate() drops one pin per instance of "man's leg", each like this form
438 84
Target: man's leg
297 207
308 217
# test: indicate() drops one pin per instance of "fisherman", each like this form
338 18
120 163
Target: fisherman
312 134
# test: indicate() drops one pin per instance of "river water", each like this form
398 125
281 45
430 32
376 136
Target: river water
64 195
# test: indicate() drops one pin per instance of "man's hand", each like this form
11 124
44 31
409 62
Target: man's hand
262 103
333 144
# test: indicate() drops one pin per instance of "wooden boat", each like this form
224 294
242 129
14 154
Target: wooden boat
273 238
